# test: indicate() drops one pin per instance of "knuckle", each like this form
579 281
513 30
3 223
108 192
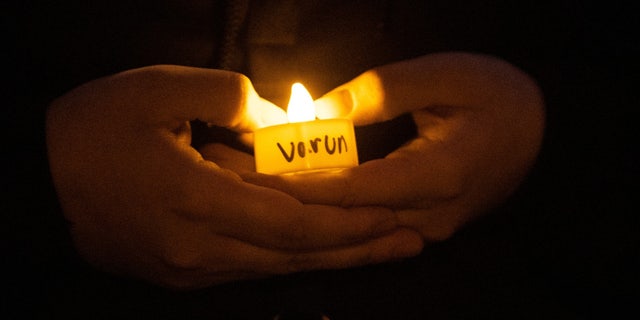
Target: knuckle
349 197
296 236
297 263
180 257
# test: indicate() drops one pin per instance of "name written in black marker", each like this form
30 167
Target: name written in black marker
331 146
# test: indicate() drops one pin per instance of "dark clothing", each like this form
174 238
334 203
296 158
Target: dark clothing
564 246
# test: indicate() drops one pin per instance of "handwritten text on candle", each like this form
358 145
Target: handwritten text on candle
330 146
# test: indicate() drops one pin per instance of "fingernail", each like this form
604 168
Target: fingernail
335 104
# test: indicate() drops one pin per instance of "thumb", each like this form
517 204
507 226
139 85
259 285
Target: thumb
361 100
218 97
383 93
441 79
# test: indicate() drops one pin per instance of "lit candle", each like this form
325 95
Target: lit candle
305 144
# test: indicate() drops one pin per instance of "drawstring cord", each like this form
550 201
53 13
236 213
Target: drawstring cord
231 53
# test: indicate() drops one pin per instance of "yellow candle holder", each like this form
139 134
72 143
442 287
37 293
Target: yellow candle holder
304 146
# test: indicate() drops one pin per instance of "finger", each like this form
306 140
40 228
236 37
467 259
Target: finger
441 214
400 244
274 219
201 266
228 158
404 180
361 99
220 199
452 79
176 93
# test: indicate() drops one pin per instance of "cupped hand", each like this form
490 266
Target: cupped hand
480 123
142 202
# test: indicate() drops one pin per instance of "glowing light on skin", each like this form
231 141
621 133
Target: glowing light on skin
364 96
262 113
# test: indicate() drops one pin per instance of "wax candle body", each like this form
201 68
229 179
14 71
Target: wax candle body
304 146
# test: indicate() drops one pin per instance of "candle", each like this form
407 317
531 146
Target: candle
305 144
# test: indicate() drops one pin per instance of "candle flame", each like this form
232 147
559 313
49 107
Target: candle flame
301 107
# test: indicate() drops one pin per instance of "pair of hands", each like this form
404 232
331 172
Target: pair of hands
142 202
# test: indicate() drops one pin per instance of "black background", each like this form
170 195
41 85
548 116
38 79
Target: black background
564 246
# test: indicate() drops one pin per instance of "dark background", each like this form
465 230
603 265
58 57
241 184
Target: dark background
564 246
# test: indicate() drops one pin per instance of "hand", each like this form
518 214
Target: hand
480 123
142 202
